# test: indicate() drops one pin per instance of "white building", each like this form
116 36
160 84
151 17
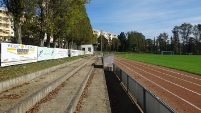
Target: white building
88 49
6 25
109 36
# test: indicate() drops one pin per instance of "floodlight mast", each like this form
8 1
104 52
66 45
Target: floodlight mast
101 41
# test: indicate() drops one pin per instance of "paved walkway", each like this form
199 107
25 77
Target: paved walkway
106 95
96 100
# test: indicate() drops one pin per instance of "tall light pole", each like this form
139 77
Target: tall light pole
101 42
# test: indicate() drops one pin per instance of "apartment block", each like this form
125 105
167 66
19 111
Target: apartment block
6 25
109 36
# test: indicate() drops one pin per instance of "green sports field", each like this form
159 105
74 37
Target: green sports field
189 63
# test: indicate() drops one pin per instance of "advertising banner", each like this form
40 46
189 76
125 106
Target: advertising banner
45 53
60 53
74 53
81 52
13 54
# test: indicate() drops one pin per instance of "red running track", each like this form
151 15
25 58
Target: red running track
179 89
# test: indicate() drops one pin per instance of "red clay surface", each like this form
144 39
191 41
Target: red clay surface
179 89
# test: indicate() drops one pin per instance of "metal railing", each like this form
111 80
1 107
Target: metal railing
148 101
108 61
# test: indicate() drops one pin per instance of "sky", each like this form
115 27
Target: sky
150 17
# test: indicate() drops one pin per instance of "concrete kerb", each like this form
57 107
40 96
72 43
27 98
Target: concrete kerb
71 107
74 101
30 101
10 82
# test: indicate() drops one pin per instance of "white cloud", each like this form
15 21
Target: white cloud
151 17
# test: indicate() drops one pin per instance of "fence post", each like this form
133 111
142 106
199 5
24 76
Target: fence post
127 83
114 67
120 75
144 99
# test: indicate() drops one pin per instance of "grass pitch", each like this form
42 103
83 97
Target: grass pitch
189 63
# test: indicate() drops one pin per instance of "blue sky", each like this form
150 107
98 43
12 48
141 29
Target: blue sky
150 17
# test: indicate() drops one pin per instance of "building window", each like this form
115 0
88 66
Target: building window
89 49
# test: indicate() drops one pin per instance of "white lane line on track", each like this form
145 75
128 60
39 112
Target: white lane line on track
164 89
166 80
169 75
174 76
169 81
165 70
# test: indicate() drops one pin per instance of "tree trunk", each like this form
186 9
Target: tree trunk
19 33
43 15
65 44
48 40
54 41
71 45
60 43
42 36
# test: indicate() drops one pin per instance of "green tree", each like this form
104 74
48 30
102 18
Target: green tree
123 41
162 41
196 31
16 9
155 46
104 43
115 44
136 41
191 47
67 22
31 31
185 31
175 40
199 29
132 41
43 5
149 45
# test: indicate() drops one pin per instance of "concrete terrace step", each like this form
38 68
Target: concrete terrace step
64 99
21 79
99 63
29 94
96 99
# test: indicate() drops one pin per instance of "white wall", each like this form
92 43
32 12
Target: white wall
89 49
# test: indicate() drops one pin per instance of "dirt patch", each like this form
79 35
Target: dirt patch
11 96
